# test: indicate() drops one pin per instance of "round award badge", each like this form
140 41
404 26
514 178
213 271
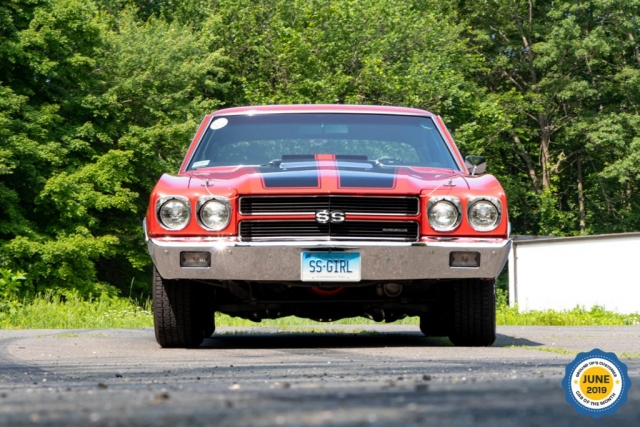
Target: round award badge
596 383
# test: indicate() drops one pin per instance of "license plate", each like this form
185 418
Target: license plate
330 267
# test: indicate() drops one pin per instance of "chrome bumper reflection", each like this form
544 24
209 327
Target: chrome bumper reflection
280 261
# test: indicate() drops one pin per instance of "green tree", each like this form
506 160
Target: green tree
555 69
99 97
348 51
103 104
48 55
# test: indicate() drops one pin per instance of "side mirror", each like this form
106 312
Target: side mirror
475 164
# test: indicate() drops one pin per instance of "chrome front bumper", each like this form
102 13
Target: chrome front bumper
280 261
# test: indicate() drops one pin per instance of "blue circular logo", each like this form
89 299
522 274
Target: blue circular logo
596 383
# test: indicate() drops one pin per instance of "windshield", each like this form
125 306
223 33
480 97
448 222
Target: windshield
271 139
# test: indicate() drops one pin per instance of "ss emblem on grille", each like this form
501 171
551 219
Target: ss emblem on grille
326 216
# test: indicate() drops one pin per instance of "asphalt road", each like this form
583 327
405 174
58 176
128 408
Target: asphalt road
387 375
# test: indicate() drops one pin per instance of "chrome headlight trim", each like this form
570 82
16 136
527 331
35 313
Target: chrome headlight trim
204 200
497 204
454 201
162 201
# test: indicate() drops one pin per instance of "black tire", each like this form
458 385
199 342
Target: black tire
474 313
437 321
182 312
207 313
434 325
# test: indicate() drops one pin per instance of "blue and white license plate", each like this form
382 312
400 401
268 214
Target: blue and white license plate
330 267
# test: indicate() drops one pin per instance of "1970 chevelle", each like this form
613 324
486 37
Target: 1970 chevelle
326 212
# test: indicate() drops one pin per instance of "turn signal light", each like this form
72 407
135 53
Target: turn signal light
464 259
195 259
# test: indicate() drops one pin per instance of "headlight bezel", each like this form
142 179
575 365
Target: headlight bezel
455 202
202 201
162 201
497 204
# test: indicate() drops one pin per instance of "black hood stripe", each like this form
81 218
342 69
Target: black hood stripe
308 176
380 178
298 178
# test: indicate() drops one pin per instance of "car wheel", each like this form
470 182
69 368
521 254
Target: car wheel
182 312
437 321
434 325
474 313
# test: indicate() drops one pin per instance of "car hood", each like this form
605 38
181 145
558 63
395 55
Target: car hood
328 177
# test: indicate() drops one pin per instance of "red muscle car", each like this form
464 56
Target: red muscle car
326 212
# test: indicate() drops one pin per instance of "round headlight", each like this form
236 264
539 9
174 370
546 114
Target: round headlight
215 214
443 215
174 214
484 216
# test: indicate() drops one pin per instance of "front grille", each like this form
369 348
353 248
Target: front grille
374 205
311 230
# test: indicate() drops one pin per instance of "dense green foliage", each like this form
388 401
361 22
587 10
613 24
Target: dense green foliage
68 310
99 97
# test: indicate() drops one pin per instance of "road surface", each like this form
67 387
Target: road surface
352 375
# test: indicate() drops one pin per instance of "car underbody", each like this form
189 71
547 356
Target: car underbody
378 301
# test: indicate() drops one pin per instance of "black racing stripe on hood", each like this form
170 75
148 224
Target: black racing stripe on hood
298 178
379 178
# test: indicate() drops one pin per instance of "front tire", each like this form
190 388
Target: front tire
433 326
182 312
437 321
474 313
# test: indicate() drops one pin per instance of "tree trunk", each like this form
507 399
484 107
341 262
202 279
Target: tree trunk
636 52
583 214
527 160
545 142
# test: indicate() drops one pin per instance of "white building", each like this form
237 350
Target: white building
562 273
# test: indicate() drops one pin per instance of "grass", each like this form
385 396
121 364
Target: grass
546 349
72 312
629 355
69 335
596 316
505 316
296 322
564 351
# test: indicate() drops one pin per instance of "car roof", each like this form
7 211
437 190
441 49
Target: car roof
323 108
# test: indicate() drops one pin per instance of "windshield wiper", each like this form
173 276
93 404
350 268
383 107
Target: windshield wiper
352 157
291 158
